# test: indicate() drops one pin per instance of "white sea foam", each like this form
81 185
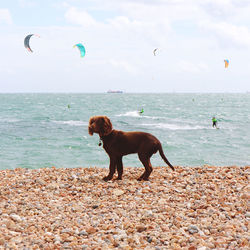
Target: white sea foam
174 126
137 114
10 120
131 113
153 117
72 123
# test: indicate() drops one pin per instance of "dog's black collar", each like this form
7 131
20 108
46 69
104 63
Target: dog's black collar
102 137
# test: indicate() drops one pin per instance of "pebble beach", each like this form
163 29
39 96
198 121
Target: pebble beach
73 208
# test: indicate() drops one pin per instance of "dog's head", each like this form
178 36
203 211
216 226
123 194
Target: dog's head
100 125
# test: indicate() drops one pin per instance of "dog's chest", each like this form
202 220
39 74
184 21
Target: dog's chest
113 146
108 147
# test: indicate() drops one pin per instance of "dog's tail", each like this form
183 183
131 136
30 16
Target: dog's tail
164 157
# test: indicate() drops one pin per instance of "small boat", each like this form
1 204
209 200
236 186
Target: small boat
114 91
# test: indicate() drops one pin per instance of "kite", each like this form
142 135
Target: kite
155 51
81 49
27 42
226 61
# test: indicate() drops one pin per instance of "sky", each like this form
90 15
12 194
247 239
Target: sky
192 37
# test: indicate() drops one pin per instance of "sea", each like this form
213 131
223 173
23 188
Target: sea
45 130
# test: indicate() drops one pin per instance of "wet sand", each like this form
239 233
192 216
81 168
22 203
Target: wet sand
191 208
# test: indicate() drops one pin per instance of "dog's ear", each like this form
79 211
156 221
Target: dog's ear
90 131
107 126
91 120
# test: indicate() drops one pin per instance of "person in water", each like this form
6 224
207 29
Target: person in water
141 111
214 120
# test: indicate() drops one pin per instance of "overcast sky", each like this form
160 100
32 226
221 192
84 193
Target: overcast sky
193 38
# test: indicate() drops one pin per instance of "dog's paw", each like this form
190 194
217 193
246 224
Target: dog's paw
142 178
118 178
107 178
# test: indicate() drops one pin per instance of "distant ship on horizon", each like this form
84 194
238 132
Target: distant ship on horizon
114 91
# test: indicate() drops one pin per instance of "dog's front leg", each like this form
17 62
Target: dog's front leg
119 168
112 166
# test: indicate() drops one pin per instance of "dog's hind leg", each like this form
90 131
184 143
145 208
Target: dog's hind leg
119 168
148 167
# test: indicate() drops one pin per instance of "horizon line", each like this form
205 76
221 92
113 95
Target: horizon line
124 92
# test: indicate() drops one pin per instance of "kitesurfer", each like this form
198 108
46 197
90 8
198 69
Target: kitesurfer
214 120
141 111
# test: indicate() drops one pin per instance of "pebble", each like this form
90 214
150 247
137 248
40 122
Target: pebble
2 241
90 230
118 192
66 230
193 229
141 229
248 214
195 208
83 233
202 248
15 217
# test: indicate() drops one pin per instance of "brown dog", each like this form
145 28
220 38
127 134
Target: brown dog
118 143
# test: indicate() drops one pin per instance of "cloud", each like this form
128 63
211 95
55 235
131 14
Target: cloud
123 22
158 11
189 67
27 3
121 27
5 69
80 17
5 16
228 34
224 8
122 65
217 8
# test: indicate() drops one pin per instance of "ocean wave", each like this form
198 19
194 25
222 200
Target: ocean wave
137 114
131 113
10 120
154 117
72 123
174 126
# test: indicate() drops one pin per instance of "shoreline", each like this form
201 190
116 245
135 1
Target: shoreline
191 208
